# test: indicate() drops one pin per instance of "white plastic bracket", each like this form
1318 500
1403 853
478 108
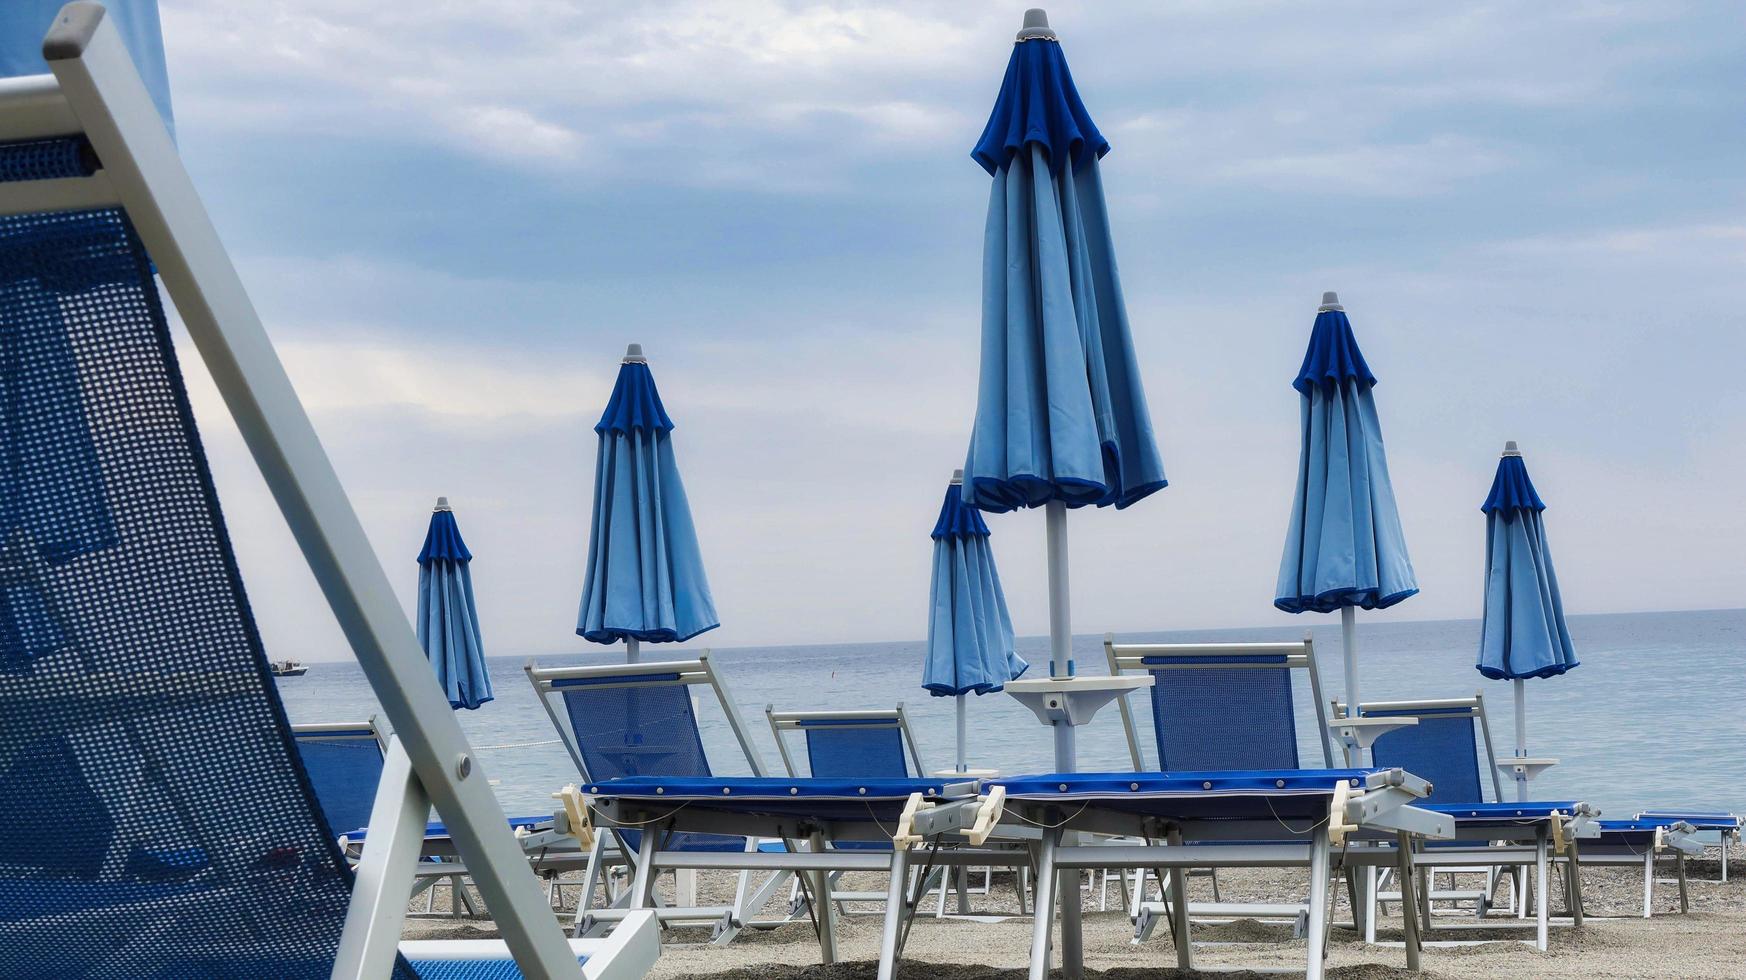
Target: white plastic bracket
1338 825
905 836
987 816
581 824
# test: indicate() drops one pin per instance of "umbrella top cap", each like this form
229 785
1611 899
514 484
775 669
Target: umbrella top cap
1330 302
442 504
958 477
1510 449
1036 26
634 355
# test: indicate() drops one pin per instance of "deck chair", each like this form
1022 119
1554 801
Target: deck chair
874 743
1451 747
639 719
155 820
344 761
1220 706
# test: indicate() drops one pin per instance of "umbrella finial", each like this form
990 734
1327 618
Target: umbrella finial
1036 26
1330 301
957 477
443 504
633 354
1510 448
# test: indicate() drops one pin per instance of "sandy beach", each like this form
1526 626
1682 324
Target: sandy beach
1708 942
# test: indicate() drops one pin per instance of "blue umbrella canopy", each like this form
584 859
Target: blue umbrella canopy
970 636
1344 546
1060 412
645 579
448 620
1523 633
23 23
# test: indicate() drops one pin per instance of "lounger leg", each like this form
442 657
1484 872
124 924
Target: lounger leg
1409 924
1179 907
1648 883
1043 898
1318 905
643 885
963 881
896 910
1542 896
1369 900
1423 878
823 908
1072 904
1679 863
1573 893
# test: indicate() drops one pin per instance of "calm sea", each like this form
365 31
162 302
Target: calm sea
1654 717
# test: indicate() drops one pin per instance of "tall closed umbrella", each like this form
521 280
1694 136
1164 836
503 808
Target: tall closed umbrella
1523 633
1344 549
970 638
448 619
1061 418
645 580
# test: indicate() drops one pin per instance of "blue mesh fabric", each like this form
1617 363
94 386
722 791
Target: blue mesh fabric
1441 748
344 772
46 160
1210 718
856 750
641 731
504 969
144 752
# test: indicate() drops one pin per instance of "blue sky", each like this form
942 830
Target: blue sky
454 216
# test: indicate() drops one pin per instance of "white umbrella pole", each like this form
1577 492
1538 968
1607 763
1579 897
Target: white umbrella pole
630 649
962 728
1060 629
1521 739
1349 647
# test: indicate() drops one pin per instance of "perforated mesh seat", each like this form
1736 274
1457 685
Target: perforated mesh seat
855 748
1212 718
344 773
1441 748
641 731
155 818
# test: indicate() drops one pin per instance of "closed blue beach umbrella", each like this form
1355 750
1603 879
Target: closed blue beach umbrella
1344 549
1061 418
970 638
645 580
448 619
1523 633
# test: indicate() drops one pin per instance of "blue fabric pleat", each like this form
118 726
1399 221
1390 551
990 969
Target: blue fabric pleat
1038 104
645 575
1523 633
1344 546
970 635
448 619
1060 413
1511 490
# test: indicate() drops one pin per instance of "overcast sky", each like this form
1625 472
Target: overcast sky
454 215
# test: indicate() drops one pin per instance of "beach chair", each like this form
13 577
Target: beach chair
639 719
344 761
156 820
1221 706
875 743
1450 745
1715 828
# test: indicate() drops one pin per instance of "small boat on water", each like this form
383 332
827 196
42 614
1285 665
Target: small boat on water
288 668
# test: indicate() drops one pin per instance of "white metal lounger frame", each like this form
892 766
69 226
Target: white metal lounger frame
1517 852
725 922
96 92
1130 658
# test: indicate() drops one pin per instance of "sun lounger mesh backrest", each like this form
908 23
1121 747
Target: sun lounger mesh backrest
1223 717
154 819
344 772
1440 748
649 730
855 748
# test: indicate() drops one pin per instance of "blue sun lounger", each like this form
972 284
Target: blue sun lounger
155 819
815 811
1447 744
1640 840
